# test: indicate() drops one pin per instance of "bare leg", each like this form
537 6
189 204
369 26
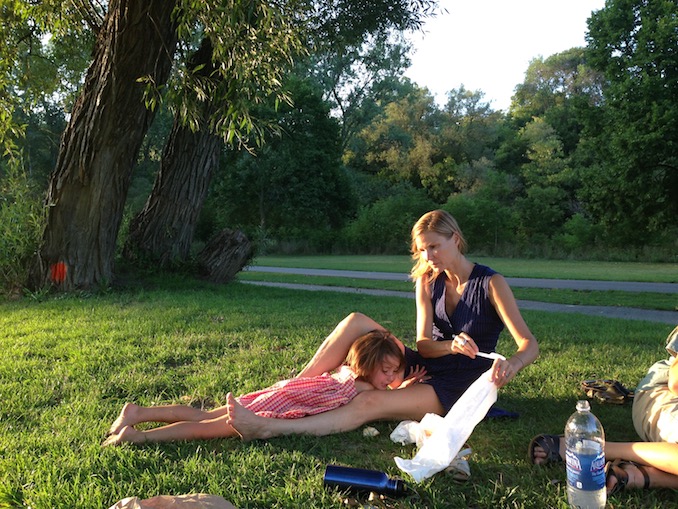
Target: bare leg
636 479
185 430
410 403
332 352
132 414
660 457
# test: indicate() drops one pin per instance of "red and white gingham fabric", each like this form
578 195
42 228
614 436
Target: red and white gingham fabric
298 397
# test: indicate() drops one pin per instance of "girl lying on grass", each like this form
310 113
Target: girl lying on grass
375 361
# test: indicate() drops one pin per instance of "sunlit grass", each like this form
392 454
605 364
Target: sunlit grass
69 363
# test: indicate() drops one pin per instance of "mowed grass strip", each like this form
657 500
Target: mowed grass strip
69 363
641 300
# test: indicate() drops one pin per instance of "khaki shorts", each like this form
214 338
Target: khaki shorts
655 414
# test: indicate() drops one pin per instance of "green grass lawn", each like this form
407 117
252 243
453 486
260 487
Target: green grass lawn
69 363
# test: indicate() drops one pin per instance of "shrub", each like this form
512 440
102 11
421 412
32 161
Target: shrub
486 223
21 225
384 227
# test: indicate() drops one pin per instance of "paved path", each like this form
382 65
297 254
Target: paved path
670 317
570 284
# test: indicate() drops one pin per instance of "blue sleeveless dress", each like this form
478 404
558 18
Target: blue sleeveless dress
475 315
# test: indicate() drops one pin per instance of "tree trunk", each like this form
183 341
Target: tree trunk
89 185
163 230
225 255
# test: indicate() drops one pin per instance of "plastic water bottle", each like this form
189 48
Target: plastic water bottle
585 459
362 480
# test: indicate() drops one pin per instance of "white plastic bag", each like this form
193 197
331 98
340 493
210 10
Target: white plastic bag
416 432
441 444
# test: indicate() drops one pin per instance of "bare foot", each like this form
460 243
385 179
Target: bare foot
245 422
540 455
127 417
127 434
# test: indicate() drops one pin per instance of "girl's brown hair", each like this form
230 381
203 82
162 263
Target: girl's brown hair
369 351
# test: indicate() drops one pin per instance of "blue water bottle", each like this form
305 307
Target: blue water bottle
362 480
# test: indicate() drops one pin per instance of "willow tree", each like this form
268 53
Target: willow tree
88 187
142 55
239 63
163 230
135 50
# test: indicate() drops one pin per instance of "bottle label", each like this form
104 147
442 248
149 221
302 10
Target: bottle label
586 468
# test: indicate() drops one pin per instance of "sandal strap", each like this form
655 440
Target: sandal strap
646 476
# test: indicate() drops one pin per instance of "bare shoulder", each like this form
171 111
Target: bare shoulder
498 284
500 291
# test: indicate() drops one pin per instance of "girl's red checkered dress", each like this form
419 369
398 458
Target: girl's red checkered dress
298 397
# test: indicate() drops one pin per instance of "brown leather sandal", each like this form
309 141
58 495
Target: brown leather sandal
607 391
615 469
551 446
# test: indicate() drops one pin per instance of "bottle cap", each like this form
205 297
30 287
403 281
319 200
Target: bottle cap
583 406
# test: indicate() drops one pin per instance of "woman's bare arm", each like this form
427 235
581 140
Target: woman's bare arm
505 303
425 344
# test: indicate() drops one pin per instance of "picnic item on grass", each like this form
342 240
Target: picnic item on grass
607 391
191 501
444 438
362 480
459 468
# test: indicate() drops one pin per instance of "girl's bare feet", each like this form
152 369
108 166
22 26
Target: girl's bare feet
127 417
245 422
127 434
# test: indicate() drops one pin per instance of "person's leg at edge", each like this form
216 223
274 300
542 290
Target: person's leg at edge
185 430
132 414
410 403
332 352
660 460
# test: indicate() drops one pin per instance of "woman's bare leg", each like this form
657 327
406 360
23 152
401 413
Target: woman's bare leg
411 403
132 414
185 430
332 352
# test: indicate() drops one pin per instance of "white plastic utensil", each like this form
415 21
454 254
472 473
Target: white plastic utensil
491 355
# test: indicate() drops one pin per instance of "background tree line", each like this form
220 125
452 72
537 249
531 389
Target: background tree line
331 149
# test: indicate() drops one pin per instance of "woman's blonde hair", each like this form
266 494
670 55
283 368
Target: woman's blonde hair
436 221
369 351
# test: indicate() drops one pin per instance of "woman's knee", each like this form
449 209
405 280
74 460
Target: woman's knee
360 323
356 317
